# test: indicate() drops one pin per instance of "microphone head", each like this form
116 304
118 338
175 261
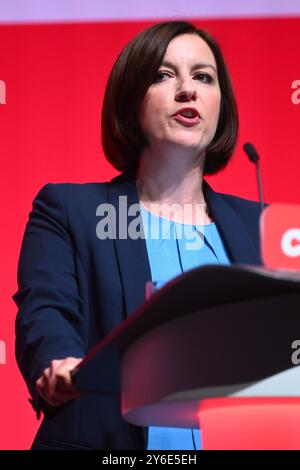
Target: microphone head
251 152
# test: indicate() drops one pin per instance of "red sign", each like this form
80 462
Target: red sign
280 236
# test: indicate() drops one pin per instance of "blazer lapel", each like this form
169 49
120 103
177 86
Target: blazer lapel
131 253
234 233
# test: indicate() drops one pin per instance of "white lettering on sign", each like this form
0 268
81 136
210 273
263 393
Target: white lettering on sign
290 242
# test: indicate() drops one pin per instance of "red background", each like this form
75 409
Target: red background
50 132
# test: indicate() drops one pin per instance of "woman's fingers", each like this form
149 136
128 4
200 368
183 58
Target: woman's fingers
55 384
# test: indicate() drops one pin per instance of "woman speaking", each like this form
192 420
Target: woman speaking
169 118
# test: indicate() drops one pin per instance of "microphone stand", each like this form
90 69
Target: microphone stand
254 158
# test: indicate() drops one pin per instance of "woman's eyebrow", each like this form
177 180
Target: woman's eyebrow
200 65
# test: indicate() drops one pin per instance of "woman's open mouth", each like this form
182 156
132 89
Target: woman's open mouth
189 116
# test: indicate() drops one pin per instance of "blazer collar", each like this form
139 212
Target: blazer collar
132 254
235 235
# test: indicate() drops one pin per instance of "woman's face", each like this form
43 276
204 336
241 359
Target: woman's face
182 106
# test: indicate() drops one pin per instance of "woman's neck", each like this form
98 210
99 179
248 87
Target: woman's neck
171 186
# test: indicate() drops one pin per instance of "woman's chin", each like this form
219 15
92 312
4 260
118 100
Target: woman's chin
188 145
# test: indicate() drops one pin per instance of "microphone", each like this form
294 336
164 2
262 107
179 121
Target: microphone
254 158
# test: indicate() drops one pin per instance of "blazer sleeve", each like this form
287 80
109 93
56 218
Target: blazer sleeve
49 305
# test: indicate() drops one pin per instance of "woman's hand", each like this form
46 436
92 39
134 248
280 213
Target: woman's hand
55 384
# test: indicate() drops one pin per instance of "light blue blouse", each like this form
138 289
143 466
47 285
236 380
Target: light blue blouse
175 248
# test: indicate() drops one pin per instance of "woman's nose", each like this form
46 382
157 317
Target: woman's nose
186 92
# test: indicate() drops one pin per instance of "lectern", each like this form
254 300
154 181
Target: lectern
213 348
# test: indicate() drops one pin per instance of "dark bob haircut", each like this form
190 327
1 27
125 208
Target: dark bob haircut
133 72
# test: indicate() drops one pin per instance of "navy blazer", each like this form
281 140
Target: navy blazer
74 288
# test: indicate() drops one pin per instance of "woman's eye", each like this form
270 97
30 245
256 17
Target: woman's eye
204 77
161 76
